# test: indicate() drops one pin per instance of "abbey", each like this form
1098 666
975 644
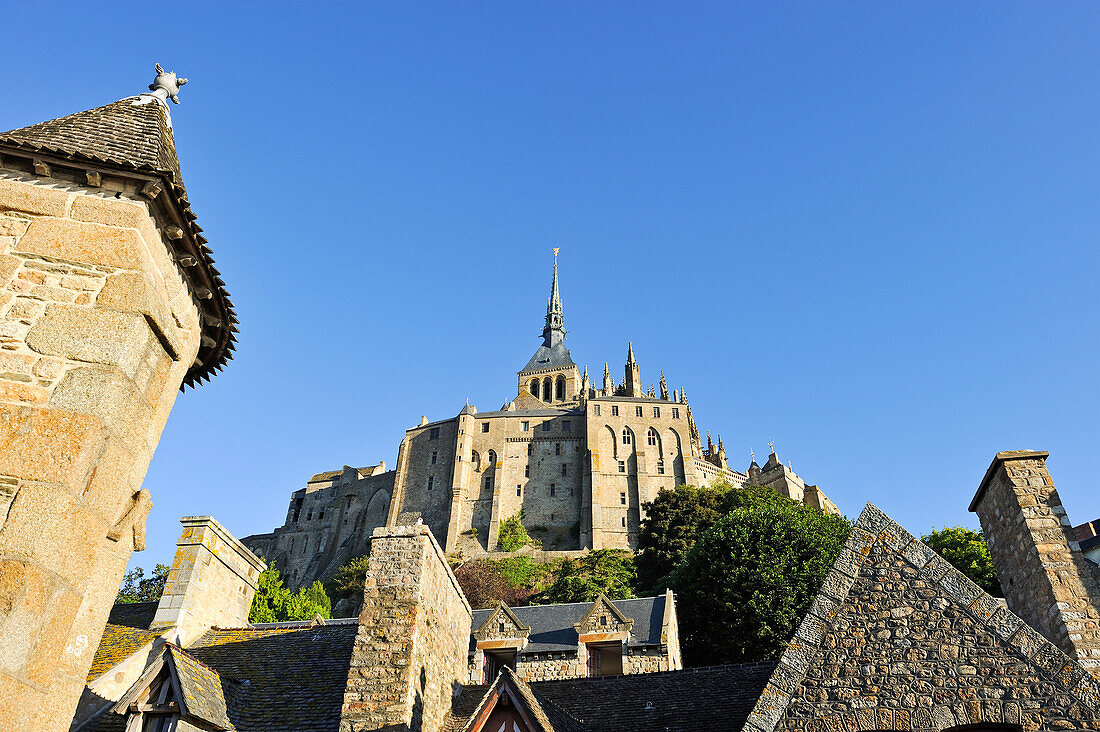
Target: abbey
576 461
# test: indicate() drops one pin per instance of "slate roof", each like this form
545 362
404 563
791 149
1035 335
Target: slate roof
139 139
127 630
549 357
201 687
712 698
552 625
547 412
543 712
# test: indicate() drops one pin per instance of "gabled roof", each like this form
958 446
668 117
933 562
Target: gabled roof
552 626
603 602
501 611
476 704
884 572
133 138
201 687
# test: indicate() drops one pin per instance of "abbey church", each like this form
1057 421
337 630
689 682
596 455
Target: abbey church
577 462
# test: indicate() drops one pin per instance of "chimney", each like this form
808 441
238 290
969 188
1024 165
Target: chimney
212 580
410 654
1045 578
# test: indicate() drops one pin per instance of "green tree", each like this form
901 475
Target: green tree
677 517
513 536
747 582
607 571
136 587
348 580
275 603
967 551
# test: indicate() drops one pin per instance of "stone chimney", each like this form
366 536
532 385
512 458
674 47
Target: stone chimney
1045 578
212 581
410 653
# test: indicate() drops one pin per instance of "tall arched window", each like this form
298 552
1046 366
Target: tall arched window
534 387
651 437
628 436
492 461
546 389
559 388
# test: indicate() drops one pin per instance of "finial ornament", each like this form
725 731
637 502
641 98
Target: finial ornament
752 456
166 85
771 444
556 250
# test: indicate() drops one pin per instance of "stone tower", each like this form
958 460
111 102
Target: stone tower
110 303
633 380
1046 579
551 375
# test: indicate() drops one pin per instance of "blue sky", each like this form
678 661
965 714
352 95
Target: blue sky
867 231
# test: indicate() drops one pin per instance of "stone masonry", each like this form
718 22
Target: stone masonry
410 652
99 327
1046 579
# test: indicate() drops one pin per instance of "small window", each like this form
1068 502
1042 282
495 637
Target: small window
321 516
622 467
489 483
637 411
431 482
570 492
433 434
530 449
519 490
524 426
564 470
615 410
557 448
309 516
676 413
660 467
596 409
622 499
624 521
527 471
484 426
553 490
656 411
566 427
434 455
545 426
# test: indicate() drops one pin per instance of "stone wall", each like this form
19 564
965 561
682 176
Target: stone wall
411 649
97 331
1045 578
211 583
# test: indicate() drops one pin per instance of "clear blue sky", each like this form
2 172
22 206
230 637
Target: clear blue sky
865 230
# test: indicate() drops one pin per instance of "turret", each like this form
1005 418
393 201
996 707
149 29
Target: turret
608 384
585 385
633 383
664 387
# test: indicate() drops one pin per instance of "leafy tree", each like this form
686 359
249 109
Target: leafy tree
486 582
677 517
513 536
136 587
607 571
747 582
274 603
967 551
348 580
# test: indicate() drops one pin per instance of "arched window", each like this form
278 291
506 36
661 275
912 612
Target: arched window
546 389
628 436
475 459
534 387
651 437
660 467
559 388
492 461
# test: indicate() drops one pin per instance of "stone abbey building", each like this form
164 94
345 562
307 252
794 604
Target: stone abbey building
578 461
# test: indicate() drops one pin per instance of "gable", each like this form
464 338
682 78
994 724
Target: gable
525 400
501 625
899 639
603 619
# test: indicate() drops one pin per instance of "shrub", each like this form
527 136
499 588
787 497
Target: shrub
513 536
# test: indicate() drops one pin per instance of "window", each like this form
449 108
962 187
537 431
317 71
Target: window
545 426
484 426
525 426
534 388
557 448
628 438
431 482
530 449
433 434
622 499
527 471
564 470
656 411
615 410
434 454
519 490
309 516
497 660
660 467
559 388
676 413
624 521
637 411
596 409
651 437
605 659
321 516
622 467
553 489
488 482
566 427
546 389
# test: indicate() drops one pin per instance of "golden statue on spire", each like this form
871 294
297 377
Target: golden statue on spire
556 250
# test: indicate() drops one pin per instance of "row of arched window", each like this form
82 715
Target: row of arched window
551 390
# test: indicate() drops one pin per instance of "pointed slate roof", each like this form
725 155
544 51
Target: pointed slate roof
133 137
979 653
539 715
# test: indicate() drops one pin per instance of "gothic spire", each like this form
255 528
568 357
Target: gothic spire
554 331
664 387
630 354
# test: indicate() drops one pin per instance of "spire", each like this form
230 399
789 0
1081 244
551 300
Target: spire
554 331
608 384
633 383
664 387
630 354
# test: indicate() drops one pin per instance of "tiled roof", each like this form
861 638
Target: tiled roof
201 687
138 139
712 698
549 357
545 713
127 630
552 625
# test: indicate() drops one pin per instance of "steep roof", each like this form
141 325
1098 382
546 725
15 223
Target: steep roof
127 630
133 136
549 357
552 625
